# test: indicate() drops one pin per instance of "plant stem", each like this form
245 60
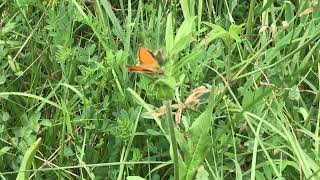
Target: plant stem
173 139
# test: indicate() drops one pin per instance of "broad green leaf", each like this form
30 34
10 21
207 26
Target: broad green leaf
215 33
182 169
259 175
251 99
4 150
13 65
185 8
235 31
195 55
200 137
289 11
303 112
267 171
27 160
169 34
184 36
238 170
202 174
266 6
2 79
182 142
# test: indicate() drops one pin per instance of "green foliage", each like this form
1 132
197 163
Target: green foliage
124 125
27 160
196 147
63 79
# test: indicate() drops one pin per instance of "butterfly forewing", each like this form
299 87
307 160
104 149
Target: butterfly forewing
146 57
148 64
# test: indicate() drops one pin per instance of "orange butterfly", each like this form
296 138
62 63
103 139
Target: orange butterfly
147 63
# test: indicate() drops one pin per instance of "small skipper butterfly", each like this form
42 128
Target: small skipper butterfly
148 63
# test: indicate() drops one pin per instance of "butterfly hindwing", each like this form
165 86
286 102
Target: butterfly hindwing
136 68
144 69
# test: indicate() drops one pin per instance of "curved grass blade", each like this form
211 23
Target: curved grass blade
27 160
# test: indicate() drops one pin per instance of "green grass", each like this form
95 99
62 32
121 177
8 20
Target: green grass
69 108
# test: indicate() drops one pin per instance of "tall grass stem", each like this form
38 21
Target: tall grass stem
173 139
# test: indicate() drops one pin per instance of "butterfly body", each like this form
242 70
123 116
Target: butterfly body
148 64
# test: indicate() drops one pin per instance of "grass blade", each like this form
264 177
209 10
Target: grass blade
27 160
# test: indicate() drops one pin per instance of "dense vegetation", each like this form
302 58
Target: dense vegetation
238 97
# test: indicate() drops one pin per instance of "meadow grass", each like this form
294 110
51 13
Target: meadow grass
238 99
